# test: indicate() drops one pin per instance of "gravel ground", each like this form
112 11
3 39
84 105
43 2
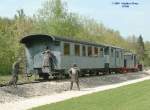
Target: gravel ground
22 92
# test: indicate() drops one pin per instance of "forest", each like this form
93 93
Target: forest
53 18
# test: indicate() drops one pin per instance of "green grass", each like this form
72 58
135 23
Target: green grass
131 97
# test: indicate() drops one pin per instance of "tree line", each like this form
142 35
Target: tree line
55 19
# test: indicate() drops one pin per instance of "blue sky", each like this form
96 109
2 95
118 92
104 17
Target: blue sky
129 21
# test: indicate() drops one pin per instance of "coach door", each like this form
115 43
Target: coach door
117 58
125 63
37 61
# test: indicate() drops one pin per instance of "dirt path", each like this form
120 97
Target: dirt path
47 99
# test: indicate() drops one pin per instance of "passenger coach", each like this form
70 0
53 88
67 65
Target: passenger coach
130 61
90 57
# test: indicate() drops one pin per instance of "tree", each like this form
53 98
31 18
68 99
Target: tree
53 18
6 45
131 43
140 49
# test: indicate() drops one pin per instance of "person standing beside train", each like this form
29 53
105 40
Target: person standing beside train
74 74
15 72
47 61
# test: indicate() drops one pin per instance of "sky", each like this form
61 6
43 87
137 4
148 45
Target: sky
128 21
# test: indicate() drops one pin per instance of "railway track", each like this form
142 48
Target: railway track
47 80
58 80
21 83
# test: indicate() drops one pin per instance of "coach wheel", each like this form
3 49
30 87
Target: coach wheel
46 76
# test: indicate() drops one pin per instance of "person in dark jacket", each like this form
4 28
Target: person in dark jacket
47 60
74 74
15 72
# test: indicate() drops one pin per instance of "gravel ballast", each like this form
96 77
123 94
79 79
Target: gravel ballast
26 91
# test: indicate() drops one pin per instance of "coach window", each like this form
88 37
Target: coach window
112 52
101 52
131 57
95 51
121 54
106 50
56 43
89 51
77 50
117 54
66 49
83 50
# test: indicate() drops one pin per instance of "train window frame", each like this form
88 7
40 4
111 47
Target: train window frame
89 51
66 52
57 43
83 50
112 52
106 51
132 57
96 51
77 49
121 54
117 54
101 52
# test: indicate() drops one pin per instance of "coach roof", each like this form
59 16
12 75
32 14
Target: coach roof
30 38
